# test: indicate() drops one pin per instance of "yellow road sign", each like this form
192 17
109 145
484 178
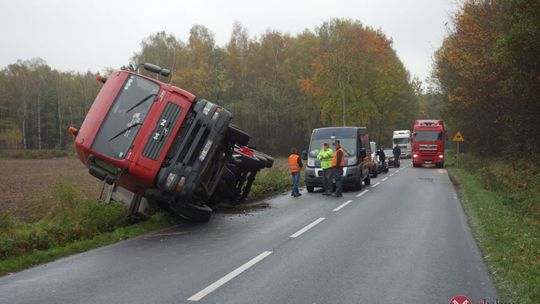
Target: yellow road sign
458 137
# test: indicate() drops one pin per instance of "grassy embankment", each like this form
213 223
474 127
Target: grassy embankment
503 205
75 223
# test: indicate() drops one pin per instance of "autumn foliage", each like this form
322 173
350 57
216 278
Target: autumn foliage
489 70
277 86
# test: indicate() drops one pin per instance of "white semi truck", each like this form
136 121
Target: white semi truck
402 138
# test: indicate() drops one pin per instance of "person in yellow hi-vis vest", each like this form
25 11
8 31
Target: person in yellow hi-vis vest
325 156
295 164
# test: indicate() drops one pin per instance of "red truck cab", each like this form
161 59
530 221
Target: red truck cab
428 139
154 139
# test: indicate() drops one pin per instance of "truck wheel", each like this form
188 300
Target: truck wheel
236 136
196 213
249 163
416 165
310 189
269 160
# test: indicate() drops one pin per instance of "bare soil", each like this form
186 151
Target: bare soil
27 185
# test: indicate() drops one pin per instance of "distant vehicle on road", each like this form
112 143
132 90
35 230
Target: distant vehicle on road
428 140
355 142
402 138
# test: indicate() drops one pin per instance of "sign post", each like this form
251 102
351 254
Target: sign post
458 138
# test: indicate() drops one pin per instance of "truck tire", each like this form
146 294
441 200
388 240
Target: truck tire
267 159
309 189
236 136
249 163
196 213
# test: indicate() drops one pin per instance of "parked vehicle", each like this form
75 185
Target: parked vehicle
428 140
391 161
162 144
402 138
355 142
374 159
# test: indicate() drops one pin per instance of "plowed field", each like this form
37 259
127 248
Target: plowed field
27 185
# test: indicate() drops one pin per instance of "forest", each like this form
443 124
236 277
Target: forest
488 74
278 87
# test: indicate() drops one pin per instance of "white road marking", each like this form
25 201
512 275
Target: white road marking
362 193
375 185
392 174
342 205
201 294
382 180
301 231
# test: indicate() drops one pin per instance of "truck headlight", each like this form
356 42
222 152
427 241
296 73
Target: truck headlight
415 155
171 181
311 162
441 156
352 160
207 108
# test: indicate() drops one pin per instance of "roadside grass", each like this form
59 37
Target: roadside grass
503 206
76 224
73 224
274 180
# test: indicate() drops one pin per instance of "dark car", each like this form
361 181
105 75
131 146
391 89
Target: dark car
390 160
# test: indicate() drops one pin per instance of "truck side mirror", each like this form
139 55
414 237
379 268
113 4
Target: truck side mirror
304 155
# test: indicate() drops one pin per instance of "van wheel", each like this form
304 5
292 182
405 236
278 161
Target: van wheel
309 189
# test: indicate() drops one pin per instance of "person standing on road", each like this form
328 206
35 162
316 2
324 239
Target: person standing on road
295 164
325 156
397 154
382 158
338 163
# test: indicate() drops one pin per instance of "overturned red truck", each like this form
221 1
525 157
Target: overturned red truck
163 144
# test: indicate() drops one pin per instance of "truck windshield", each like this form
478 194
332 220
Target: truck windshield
401 141
428 136
125 117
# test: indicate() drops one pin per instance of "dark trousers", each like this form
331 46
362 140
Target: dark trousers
338 175
327 180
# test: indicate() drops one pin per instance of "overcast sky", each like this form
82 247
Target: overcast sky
95 34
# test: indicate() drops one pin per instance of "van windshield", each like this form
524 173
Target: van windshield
125 117
347 137
428 136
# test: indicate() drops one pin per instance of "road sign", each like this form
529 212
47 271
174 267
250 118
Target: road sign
458 137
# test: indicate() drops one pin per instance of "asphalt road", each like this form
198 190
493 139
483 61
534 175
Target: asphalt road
404 239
